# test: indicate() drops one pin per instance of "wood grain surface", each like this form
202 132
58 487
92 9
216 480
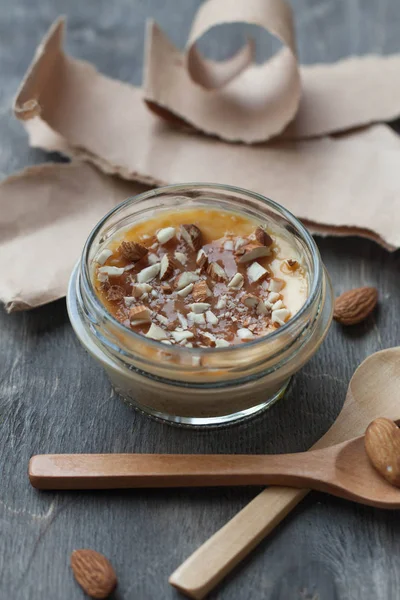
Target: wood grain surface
53 398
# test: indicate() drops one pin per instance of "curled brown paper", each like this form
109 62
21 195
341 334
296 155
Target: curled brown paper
257 103
47 212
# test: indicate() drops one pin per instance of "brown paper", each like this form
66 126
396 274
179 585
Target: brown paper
46 214
256 104
334 183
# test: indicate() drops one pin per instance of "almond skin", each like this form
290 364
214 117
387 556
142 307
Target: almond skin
132 251
382 443
93 572
166 267
355 305
201 291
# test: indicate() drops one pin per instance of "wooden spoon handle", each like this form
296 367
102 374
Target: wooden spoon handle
107 471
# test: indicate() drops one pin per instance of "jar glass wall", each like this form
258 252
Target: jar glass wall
200 386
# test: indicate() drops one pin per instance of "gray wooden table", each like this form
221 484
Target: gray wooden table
53 398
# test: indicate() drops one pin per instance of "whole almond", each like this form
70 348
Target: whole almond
93 572
382 443
355 305
132 251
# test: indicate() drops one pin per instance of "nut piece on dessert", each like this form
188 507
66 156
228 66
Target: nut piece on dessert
156 333
139 314
250 300
184 279
132 251
216 272
166 267
276 284
199 307
252 251
181 257
201 291
148 273
103 256
263 237
280 316
202 259
236 282
192 236
166 234
112 271
256 273
141 288
186 290
245 334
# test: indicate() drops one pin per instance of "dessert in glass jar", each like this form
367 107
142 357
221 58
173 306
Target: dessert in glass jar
200 301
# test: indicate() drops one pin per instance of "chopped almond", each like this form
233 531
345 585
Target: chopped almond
185 291
103 256
166 267
132 251
202 259
166 234
141 288
252 251
199 307
112 271
192 236
276 284
236 282
216 272
156 333
263 237
140 313
182 258
250 300
147 274
184 279
256 273
201 291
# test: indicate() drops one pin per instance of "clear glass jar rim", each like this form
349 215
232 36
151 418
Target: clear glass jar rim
181 188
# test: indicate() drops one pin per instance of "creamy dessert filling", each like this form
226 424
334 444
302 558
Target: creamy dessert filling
201 278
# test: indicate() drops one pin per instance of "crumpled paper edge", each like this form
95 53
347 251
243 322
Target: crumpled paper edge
47 213
336 97
64 89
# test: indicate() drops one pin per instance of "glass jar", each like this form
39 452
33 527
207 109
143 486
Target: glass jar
200 386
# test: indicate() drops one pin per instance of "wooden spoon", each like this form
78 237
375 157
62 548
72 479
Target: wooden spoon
373 392
343 470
